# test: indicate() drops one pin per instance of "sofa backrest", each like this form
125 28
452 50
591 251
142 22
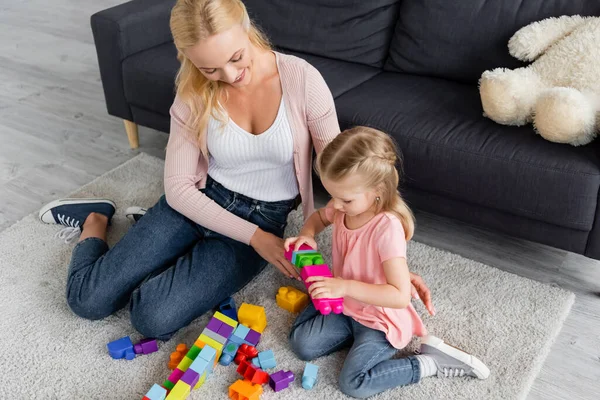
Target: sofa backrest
459 39
351 30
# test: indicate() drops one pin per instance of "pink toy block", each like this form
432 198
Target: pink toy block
175 375
327 305
146 346
290 252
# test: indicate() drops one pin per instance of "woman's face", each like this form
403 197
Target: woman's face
227 57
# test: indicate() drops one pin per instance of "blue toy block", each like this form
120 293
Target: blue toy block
241 331
256 362
267 359
228 308
237 340
229 352
156 392
309 378
200 365
208 353
121 348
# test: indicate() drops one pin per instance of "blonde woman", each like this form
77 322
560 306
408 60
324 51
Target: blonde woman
243 125
371 227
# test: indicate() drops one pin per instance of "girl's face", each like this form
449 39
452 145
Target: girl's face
227 57
350 196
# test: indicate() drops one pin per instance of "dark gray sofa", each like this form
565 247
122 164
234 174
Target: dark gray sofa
409 68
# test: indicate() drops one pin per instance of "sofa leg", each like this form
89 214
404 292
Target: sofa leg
132 133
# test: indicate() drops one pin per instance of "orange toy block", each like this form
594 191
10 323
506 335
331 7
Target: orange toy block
245 390
176 356
291 299
253 317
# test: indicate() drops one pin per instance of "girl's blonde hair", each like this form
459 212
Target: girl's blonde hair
373 155
191 22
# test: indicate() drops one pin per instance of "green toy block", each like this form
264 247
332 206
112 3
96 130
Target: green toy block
193 352
168 384
309 259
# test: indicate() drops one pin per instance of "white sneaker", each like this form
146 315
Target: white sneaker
135 213
451 361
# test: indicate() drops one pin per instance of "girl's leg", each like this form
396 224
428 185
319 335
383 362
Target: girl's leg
100 281
314 335
369 369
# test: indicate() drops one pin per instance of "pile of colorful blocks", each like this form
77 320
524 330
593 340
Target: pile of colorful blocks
225 340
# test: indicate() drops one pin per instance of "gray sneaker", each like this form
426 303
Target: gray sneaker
451 361
135 213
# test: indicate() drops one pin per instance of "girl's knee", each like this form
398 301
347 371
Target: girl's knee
300 343
152 321
351 385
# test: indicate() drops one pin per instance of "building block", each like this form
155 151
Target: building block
256 362
290 253
201 380
281 380
190 377
214 336
306 259
225 319
252 337
326 305
175 376
266 359
156 392
121 348
146 346
309 378
177 355
204 340
225 330
180 392
185 363
241 331
291 299
200 366
228 308
168 384
245 352
193 352
214 324
228 353
253 317
252 373
245 390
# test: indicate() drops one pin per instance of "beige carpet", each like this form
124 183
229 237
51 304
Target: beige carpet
49 353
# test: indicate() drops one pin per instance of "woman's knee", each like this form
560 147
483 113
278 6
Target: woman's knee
89 307
153 321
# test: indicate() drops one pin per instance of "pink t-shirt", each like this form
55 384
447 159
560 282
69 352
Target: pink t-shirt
359 254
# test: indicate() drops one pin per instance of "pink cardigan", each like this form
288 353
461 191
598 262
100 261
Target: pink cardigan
311 113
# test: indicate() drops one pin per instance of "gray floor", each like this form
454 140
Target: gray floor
55 136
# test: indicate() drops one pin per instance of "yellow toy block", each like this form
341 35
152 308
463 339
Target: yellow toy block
201 381
185 363
253 317
245 390
291 299
224 318
180 392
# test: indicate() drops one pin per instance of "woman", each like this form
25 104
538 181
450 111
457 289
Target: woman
243 125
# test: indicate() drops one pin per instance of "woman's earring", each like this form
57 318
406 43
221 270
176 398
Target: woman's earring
378 198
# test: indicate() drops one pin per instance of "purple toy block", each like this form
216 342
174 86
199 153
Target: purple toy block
225 330
281 380
121 348
214 325
146 346
190 377
252 337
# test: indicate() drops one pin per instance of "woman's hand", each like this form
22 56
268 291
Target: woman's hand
270 247
323 287
420 290
299 241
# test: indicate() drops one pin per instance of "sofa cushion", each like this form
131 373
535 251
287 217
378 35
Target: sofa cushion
349 30
150 75
461 39
450 149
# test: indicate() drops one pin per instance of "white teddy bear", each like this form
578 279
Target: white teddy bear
560 91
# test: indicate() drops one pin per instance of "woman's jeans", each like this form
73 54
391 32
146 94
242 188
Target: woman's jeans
368 368
169 269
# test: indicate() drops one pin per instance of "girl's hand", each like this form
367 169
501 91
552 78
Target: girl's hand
299 241
323 287
421 291
270 247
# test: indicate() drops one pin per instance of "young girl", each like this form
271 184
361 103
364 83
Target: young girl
371 227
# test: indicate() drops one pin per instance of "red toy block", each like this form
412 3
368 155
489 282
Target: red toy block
252 373
245 352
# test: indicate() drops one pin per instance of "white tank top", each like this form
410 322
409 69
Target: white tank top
258 166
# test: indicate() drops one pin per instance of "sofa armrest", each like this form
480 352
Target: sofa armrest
122 31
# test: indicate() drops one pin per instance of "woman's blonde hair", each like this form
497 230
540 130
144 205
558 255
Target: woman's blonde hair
373 155
191 22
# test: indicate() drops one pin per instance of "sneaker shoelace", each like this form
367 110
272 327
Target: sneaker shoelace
451 372
71 230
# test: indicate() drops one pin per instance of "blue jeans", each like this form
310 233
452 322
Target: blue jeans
368 368
169 269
